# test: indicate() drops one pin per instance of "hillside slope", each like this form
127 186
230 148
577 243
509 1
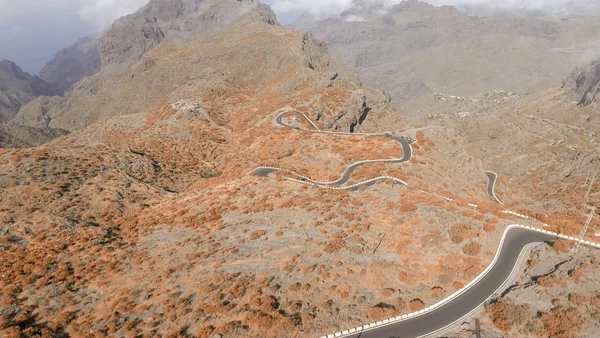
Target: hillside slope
127 84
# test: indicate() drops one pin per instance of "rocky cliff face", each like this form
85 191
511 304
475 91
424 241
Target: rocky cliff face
73 64
18 88
175 21
583 85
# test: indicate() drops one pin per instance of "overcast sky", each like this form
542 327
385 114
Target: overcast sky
32 31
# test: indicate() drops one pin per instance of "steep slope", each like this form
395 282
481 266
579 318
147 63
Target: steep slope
175 22
164 22
18 88
72 64
445 51
583 84
132 36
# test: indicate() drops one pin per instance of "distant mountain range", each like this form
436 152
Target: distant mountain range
414 50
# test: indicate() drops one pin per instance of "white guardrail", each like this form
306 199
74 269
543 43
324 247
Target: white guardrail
325 185
390 321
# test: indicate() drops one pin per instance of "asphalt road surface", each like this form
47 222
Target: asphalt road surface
345 177
451 312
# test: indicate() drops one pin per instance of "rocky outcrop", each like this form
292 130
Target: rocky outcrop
18 88
317 57
175 21
357 109
583 85
118 52
72 64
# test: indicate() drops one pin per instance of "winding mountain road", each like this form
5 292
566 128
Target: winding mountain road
345 176
449 311
515 240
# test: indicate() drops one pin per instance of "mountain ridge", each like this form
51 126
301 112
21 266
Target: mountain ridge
18 88
410 42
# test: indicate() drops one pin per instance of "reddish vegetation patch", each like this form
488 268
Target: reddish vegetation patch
579 272
382 311
408 207
335 245
505 315
489 227
438 292
257 234
561 246
458 285
550 280
416 305
472 249
560 323
389 292
459 233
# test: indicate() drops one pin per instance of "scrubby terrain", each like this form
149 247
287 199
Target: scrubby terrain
136 211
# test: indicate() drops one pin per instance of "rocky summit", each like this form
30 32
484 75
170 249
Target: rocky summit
206 172
72 64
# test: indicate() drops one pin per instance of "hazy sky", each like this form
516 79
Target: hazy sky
32 31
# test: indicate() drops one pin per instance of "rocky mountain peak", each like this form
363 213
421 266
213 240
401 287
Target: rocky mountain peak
72 64
10 68
176 21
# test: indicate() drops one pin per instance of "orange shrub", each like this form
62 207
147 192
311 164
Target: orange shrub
416 305
408 207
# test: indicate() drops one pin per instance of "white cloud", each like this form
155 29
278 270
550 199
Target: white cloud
103 12
99 12
34 30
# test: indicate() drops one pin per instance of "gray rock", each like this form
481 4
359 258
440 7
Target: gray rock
583 85
18 88
355 112
414 49
72 64
176 21
13 135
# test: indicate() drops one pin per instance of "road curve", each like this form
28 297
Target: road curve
439 317
454 308
492 178
407 155
345 176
